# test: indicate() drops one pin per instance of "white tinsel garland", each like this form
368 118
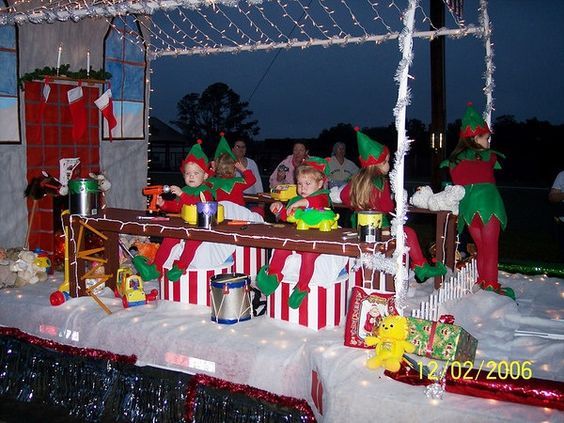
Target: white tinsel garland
490 68
378 261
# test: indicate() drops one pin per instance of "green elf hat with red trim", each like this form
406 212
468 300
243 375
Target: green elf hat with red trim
370 152
196 155
223 148
473 124
318 163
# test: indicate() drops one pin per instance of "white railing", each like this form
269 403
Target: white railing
455 288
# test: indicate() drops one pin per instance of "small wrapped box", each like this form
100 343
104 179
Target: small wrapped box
193 287
442 340
323 307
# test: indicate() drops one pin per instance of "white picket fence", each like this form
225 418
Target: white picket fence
456 287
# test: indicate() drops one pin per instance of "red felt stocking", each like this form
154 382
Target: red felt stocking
77 107
106 105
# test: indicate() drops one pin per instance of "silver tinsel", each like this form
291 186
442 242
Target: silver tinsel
435 390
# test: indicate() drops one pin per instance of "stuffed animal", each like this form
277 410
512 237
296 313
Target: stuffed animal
390 343
447 200
28 269
103 183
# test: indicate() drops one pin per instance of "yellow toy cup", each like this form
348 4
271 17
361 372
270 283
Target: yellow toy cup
189 214
369 224
220 213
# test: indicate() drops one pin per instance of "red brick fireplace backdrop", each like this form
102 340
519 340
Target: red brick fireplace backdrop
50 139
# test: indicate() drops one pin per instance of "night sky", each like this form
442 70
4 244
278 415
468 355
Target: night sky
309 90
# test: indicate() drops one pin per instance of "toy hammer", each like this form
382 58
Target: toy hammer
154 191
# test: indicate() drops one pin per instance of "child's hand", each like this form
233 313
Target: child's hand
276 207
160 201
300 204
212 165
239 166
176 190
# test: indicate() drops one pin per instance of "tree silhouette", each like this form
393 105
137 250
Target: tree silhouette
217 109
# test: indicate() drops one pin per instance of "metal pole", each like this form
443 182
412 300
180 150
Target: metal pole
437 133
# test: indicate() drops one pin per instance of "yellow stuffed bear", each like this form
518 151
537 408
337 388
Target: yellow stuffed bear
390 343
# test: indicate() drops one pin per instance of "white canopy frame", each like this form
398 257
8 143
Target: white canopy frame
250 26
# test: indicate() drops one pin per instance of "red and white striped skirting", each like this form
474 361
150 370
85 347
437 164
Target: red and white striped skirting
321 308
249 260
193 287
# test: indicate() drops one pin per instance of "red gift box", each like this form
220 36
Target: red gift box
193 287
321 308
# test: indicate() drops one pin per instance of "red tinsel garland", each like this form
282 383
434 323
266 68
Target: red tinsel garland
280 400
536 392
67 349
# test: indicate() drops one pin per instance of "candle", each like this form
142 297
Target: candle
88 63
59 57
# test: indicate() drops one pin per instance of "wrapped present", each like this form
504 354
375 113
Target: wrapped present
323 307
249 260
442 340
364 313
193 287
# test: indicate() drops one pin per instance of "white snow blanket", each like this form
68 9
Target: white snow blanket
272 355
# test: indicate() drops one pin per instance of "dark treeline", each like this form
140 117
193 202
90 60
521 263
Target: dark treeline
531 148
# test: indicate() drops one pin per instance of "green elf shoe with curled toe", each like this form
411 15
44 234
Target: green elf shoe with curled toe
265 282
147 271
426 271
175 273
296 297
498 289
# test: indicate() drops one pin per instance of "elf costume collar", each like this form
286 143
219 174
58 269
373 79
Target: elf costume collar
370 152
471 154
473 124
195 191
224 184
315 194
378 182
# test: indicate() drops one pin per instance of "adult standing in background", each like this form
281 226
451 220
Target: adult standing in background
341 169
240 151
556 198
284 172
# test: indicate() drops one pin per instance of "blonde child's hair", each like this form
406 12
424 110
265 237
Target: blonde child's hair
305 170
361 187
225 166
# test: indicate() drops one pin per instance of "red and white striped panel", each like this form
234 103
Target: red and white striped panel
321 308
356 278
193 287
249 260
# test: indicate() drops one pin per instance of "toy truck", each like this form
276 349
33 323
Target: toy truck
129 288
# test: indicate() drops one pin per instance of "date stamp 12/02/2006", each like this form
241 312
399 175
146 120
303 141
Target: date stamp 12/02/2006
493 370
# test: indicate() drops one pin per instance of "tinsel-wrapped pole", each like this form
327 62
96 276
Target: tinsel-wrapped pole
397 176
489 85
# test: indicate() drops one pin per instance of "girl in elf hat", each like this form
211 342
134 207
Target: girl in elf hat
225 185
311 176
370 190
194 170
472 165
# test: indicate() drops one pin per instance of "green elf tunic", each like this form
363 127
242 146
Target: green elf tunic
474 169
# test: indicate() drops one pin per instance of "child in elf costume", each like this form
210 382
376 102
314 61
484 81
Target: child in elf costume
472 165
225 185
370 190
311 176
194 170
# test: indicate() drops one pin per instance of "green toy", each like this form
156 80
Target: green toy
324 220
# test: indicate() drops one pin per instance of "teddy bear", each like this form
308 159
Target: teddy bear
447 200
390 343
29 269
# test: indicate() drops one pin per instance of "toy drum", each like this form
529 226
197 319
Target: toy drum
83 196
369 224
230 295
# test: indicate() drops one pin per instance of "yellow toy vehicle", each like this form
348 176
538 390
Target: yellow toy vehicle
129 288
284 192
